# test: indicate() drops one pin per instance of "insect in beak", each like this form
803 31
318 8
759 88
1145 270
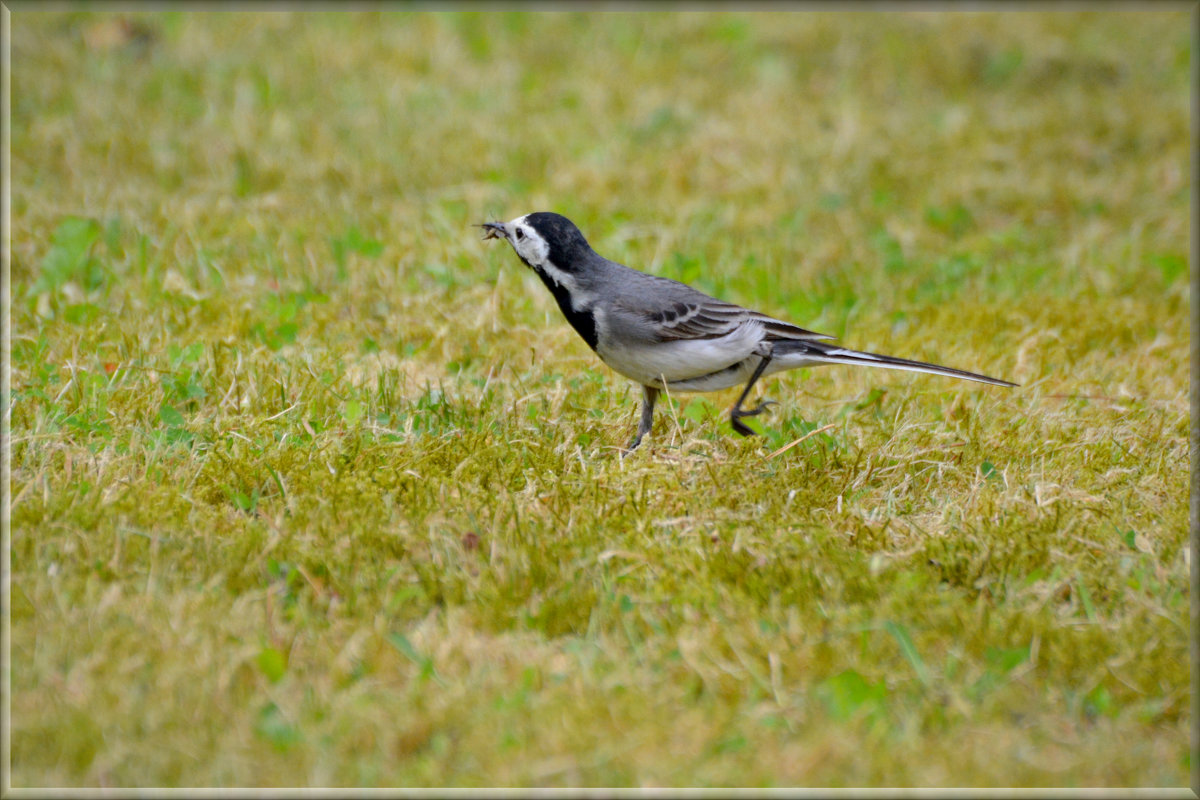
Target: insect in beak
493 230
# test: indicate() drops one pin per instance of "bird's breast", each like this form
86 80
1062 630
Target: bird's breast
679 361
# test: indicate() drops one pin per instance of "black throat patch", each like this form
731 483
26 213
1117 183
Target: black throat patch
582 320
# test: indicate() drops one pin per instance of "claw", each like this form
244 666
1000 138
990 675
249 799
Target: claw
737 412
736 415
740 428
758 409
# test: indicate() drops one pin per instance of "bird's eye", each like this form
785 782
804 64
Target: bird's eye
520 234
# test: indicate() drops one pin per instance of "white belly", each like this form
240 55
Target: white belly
683 360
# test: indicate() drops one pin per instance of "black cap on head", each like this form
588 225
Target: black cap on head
566 242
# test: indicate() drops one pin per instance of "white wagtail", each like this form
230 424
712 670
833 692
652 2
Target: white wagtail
665 334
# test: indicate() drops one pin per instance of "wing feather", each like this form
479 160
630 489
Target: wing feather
714 318
676 311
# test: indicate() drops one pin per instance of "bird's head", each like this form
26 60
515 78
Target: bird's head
543 240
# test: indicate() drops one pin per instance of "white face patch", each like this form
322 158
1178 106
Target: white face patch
531 247
528 243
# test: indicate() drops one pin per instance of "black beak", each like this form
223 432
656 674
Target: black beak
493 230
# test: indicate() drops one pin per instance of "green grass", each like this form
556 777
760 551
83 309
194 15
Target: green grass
312 487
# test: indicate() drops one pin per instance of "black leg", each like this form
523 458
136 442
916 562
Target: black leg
649 396
736 413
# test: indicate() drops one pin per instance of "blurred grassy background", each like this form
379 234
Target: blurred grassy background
310 486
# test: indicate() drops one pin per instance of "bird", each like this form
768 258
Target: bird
666 335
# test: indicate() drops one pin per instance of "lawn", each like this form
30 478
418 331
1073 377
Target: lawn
311 486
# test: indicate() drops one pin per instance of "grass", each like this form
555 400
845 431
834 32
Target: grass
312 487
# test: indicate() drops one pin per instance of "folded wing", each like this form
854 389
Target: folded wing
678 311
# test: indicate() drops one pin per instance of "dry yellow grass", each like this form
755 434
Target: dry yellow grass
311 487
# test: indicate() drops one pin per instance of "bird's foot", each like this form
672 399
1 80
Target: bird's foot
735 417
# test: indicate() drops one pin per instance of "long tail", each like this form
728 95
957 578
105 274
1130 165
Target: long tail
820 352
